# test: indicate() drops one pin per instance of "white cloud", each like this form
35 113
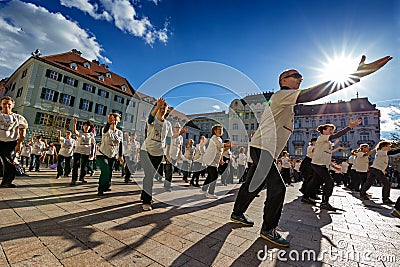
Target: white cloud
390 119
124 17
24 27
217 107
86 6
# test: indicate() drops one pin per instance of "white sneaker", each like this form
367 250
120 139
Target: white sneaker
211 196
146 207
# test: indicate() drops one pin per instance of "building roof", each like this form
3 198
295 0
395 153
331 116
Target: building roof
3 87
345 107
96 69
256 98
207 115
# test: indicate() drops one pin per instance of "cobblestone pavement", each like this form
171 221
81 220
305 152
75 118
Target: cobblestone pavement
45 222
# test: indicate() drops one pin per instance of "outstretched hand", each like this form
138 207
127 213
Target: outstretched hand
352 123
366 69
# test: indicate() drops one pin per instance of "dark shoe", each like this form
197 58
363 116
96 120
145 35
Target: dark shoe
364 197
241 219
107 190
196 185
73 183
127 181
387 201
314 198
8 185
100 193
83 181
396 213
274 237
307 200
327 206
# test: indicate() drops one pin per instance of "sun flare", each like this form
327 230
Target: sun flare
339 69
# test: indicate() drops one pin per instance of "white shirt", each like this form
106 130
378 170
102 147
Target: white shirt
286 162
199 153
276 123
110 142
10 125
361 162
189 153
131 150
157 133
345 167
214 151
297 166
50 150
310 151
84 143
37 147
67 147
381 160
322 151
242 158
26 151
175 149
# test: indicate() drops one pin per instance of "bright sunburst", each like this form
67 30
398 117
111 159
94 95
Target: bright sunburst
339 68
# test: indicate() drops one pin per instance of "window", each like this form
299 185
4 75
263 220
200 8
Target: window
86 65
73 66
298 136
100 109
364 136
67 100
103 93
24 73
101 78
365 121
44 119
343 122
119 99
313 124
144 114
252 126
85 105
53 75
246 126
117 111
19 92
235 138
13 86
235 126
123 87
70 81
328 121
108 75
298 151
129 118
143 127
343 138
89 88
246 115
48 94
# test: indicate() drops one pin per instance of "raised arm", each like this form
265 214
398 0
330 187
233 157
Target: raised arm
352 124
327 88
74 127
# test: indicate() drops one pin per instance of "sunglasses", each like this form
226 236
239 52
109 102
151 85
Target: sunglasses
293 75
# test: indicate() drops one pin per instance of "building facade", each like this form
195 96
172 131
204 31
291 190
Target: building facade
51 90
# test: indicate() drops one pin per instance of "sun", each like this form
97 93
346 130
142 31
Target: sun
339 68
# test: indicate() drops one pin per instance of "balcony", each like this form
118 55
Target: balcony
298 142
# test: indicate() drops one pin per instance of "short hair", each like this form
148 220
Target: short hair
215 127
314 139
362 146
322 127
382 144
283 74
6 97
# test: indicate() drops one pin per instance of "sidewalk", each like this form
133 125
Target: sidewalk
45 222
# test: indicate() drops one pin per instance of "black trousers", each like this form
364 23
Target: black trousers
196 168
321 175
67 165
359 179
397 205
81 161
286 175
26 159
6 157
211 180
262 173
378 175
150 166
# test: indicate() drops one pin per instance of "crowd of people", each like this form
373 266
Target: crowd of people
262 165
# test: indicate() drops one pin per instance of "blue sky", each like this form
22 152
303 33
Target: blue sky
260 39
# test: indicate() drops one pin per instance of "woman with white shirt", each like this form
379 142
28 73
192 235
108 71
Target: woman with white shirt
131 155
198 161
25 154
38 147
51 154
361 166
377 171
286 166
84 148
65 153
241 164
187 160
109 150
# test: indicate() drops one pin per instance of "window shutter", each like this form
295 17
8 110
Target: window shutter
84 86
104 110
90 106
96 108
93 89
80 104
43 93
37 118
71 103
76 83
61 98
48 73
59 78
115 98
99 91
122 100
55 98
65 79
107 94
